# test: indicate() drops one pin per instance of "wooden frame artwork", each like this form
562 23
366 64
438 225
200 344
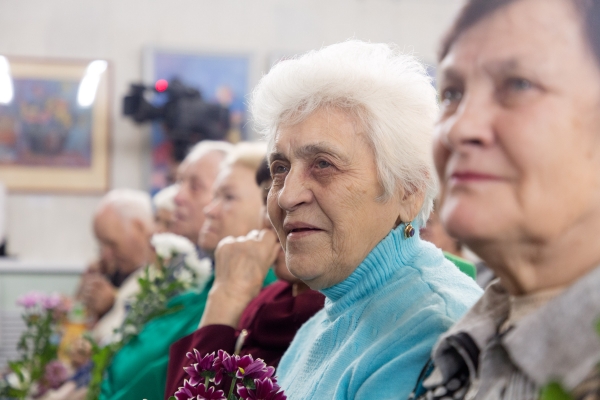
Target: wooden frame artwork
54 125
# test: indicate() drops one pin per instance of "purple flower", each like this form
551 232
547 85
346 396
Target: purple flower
195 356
205 367
256 369
209 394
231 364
200 392
266 389
30 300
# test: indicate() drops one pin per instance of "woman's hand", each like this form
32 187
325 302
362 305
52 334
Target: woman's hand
241 265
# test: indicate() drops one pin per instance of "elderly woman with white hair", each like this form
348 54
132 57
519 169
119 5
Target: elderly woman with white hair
350 129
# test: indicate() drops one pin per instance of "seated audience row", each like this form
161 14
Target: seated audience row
364 307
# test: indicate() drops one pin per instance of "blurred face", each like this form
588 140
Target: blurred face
164 220
517 143
234 209
435 233
123 243
196 179
280 267
323 201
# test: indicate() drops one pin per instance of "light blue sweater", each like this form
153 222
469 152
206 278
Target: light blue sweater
378 327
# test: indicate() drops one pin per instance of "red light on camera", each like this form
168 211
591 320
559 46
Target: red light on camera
161 85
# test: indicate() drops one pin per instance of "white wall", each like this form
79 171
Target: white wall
57 228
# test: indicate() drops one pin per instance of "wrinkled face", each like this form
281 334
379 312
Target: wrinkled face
195 180
123 243
234 209
323 200
517 143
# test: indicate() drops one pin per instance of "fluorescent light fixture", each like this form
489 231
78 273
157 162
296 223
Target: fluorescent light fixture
6 83
96 67
89 84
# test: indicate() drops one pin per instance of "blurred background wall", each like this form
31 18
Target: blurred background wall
57 228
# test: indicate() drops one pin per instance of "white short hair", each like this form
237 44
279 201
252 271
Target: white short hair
207 146
248 154
387 92
165 198
130 204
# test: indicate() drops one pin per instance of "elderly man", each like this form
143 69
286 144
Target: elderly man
196 176
123 225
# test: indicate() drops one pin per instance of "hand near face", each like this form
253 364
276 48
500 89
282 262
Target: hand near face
241 265
97 293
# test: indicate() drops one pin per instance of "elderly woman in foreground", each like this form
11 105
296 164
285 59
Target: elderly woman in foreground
518 151
350 129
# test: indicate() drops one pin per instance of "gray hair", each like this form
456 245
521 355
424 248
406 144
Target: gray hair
129 204
165 198
207 146
387 92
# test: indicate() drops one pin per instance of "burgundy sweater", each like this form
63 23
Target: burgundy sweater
271 320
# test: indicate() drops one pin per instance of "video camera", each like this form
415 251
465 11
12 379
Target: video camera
187 118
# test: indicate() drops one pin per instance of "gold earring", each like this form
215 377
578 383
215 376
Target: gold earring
409 231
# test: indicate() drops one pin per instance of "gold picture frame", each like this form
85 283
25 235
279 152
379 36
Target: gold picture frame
55 131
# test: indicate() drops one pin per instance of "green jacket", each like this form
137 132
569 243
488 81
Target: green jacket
139 370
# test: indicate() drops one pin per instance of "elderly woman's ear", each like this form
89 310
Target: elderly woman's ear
409 204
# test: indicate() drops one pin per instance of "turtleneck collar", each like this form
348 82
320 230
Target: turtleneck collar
391 254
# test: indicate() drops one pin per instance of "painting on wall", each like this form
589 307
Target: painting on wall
221 79
54 122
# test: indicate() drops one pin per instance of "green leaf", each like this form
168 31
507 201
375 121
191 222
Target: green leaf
554 391
249 383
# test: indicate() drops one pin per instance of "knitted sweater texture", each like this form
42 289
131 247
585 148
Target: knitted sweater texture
378 327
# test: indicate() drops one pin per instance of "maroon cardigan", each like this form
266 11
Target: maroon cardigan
271 320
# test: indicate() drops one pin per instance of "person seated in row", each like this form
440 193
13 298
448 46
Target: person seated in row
139 369
349 129
239 317
195 180
123 226
433 231
164 209
517 149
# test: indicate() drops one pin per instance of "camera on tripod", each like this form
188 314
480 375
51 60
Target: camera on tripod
187 118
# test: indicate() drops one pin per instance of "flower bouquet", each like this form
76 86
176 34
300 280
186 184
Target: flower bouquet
38 368
255 377
176 270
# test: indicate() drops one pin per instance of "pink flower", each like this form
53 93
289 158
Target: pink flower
51 302
55 374
30 300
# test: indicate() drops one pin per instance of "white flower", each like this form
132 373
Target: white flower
130 330
167 245
185 276
202 269
13 380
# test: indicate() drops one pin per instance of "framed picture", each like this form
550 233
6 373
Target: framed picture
54 125
220 78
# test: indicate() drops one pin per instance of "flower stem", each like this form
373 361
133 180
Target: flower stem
231 387
206 382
